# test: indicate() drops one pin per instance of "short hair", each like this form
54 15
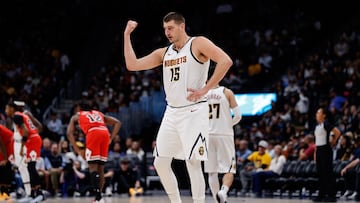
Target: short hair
177 17
85 106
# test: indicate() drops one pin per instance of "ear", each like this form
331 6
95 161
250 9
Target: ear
182 26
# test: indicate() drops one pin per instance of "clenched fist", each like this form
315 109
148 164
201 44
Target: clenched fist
130 27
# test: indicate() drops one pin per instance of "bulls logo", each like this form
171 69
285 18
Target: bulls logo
88 153
33 155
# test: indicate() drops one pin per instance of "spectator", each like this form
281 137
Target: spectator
337 101
136 149
43 173
290 151
257 161
308 152
351 175
75 182
127 180
46 148
242 152
343 153
275 169
55 127
54 164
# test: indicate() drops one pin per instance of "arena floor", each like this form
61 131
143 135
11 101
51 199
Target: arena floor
187 199
160 197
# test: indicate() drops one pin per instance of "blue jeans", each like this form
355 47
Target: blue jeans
259 180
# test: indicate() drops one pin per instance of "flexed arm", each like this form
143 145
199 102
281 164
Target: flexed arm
133 63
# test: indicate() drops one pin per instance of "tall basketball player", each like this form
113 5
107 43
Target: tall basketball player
183 133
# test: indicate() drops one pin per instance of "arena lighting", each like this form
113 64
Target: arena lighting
255 104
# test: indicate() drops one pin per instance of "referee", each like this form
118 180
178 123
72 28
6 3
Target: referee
326 135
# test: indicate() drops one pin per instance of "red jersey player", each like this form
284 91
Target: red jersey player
94 125
6 158
27 126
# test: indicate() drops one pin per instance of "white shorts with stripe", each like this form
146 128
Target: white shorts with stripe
221 156
184 132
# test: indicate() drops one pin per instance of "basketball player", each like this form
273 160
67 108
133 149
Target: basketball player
27 146
183 133
326 136
221 157
6 157
93 124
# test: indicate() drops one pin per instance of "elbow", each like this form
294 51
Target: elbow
228 62
130 68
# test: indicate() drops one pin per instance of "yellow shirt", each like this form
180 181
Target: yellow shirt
260 160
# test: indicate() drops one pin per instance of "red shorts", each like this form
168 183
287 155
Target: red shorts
33 147
97 145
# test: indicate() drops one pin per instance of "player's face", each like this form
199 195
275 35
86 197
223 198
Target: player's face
172 30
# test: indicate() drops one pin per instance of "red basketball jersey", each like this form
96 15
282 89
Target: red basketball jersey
91 120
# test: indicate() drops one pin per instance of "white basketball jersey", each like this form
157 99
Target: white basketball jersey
181 70
17 135
219 112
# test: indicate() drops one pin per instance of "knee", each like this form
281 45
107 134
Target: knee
162 163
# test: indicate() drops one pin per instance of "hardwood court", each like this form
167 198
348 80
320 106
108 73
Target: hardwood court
162 198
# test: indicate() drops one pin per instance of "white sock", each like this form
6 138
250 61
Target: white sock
25 178
225 188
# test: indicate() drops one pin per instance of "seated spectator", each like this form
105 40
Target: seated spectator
275 169
71 157
242 152
46 148
308 152
43 173
256 161
127 180
55 127
54 164
109 169
136 149
115 153
351 174
136 154
290 151
343 153
76 182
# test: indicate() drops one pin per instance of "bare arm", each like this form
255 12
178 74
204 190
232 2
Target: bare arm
204 49
70 133
35 121
78 173
115 123
350 165
133 63
336 136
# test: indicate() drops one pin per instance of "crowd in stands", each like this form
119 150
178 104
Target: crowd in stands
327 76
